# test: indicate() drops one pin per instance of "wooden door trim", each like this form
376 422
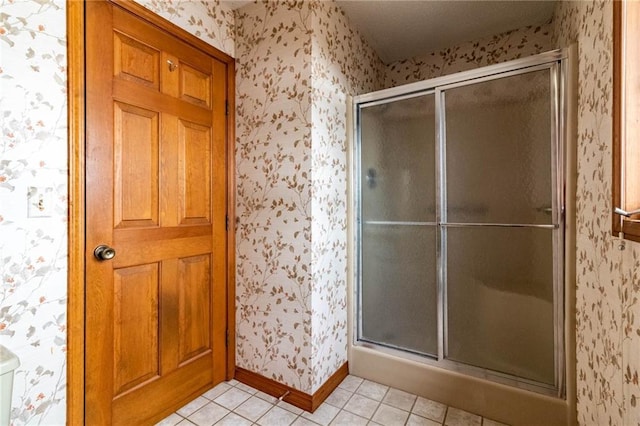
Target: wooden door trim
76 224
76 193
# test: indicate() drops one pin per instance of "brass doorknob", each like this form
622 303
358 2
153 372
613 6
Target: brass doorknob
103 252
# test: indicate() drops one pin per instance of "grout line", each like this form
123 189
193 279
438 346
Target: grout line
446 413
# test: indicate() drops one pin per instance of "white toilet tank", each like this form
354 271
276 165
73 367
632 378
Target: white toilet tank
8 362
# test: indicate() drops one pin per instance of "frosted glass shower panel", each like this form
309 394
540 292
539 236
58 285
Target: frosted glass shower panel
398 160
399 298
500 300
499 150
398 273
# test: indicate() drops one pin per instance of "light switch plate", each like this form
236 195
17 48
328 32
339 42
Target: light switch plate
40 201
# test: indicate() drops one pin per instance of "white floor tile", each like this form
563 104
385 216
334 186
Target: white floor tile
351 383
323 414
388 415
355 402
372 390
270 399
277 417
415 420
247 389
208 415
362 406
430 409
338 397
232 398
253 408
290 407
345 418
216 391
457 417
193 406
399 399
301 421
171 420
233 419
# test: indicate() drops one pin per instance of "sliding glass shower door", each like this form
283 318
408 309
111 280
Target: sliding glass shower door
398 250
460 226
499 221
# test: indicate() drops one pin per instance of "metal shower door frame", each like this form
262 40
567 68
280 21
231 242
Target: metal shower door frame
555 62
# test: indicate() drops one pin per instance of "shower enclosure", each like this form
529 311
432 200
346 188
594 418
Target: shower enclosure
459 194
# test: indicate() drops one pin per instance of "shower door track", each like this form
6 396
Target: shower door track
554 61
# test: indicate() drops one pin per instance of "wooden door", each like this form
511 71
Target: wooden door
156 193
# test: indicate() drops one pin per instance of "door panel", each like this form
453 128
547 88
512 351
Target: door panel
194 306
155 333
135 61
194 144
136 166
135 326
195 86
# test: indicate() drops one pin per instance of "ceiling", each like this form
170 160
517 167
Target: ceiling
401 29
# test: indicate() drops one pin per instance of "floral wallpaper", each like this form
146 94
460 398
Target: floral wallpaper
503 47
342 64
273 166
608 279
33 164
296 62
33 190
210 20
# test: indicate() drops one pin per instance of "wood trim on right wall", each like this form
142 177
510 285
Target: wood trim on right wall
625 189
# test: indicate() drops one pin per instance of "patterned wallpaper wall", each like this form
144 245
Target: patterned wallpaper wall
608 279
273 163
341 64
209 20
33 250
296 61
503 47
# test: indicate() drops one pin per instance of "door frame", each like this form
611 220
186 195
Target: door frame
76 190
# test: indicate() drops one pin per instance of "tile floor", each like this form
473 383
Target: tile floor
354 402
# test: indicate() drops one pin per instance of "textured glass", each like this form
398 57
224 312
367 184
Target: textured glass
399 296
398 288
498 151
500 300
398 160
